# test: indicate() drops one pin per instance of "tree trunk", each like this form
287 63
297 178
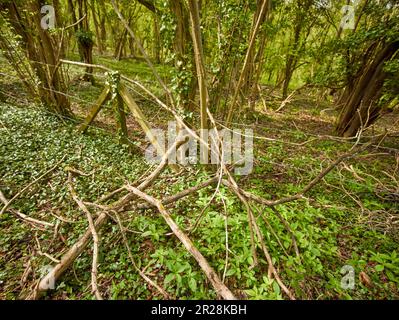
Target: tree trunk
265 6
42 55
361 106
100 46
83 35
253 55
157 39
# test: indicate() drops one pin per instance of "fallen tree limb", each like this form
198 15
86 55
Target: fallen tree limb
218 285
70 256
121 203
172 199
22 216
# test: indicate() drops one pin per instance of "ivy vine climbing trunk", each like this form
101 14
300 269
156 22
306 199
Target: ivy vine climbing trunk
185 66
83 35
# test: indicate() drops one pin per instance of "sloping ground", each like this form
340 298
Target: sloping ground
351 219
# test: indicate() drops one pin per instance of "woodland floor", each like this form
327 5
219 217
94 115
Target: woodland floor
351 218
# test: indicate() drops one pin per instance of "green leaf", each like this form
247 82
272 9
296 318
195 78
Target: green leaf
230 272
379 267
169 278
146 234
180 268
276 288
192 284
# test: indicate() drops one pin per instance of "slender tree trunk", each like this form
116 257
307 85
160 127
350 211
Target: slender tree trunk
259 17
181 45
100 46
102 22
157 39
82 33
361 108
264 8
41 50
199 61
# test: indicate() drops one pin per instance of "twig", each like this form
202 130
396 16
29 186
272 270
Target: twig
41 253
271 229
226 227
218 285
22 216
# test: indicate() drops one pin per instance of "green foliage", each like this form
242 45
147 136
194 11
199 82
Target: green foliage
330 227
85 38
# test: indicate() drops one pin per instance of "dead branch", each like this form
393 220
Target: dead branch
289 230
268 257
218 285
271 229
67 260
22 216
315 181
153 176
70 256
172 199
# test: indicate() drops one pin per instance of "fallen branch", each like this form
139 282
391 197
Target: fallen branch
218 285
70 256
120 204
268 257
314 182
178 196
66 261
22 216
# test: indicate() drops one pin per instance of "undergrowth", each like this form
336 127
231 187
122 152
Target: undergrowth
331 228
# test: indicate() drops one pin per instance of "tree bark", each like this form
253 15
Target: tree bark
42 55
199 61
361 106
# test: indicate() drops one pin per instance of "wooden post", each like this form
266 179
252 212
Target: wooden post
104 96
140 117
119 94
121 120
